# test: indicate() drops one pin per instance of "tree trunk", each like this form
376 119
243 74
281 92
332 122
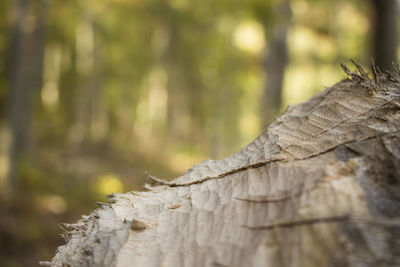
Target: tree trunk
275 61
27 48
385 34
319 187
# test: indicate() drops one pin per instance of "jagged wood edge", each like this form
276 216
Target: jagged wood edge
373 85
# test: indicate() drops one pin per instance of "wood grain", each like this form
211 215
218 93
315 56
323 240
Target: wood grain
319 187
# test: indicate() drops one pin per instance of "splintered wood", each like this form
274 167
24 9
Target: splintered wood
319 187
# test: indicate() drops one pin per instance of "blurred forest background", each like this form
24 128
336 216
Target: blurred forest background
94 93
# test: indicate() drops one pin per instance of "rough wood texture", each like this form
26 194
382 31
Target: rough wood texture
319 187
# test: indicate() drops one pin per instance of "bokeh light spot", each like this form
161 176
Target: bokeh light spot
249 37
109 183
53 203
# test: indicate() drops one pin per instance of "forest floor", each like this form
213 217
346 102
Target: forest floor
57 186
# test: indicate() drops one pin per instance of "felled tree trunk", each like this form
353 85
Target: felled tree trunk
319 187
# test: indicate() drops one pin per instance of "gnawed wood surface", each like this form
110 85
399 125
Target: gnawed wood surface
319 187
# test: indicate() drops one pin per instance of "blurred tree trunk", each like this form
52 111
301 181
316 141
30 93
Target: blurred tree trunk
26 50
385 33
275 59
319 187
85 58
169 58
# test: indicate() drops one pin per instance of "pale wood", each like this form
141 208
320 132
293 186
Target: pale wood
319 187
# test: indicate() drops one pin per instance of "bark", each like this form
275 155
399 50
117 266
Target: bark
27 48
319 187
385 33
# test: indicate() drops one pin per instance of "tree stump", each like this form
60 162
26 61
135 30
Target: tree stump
319 187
